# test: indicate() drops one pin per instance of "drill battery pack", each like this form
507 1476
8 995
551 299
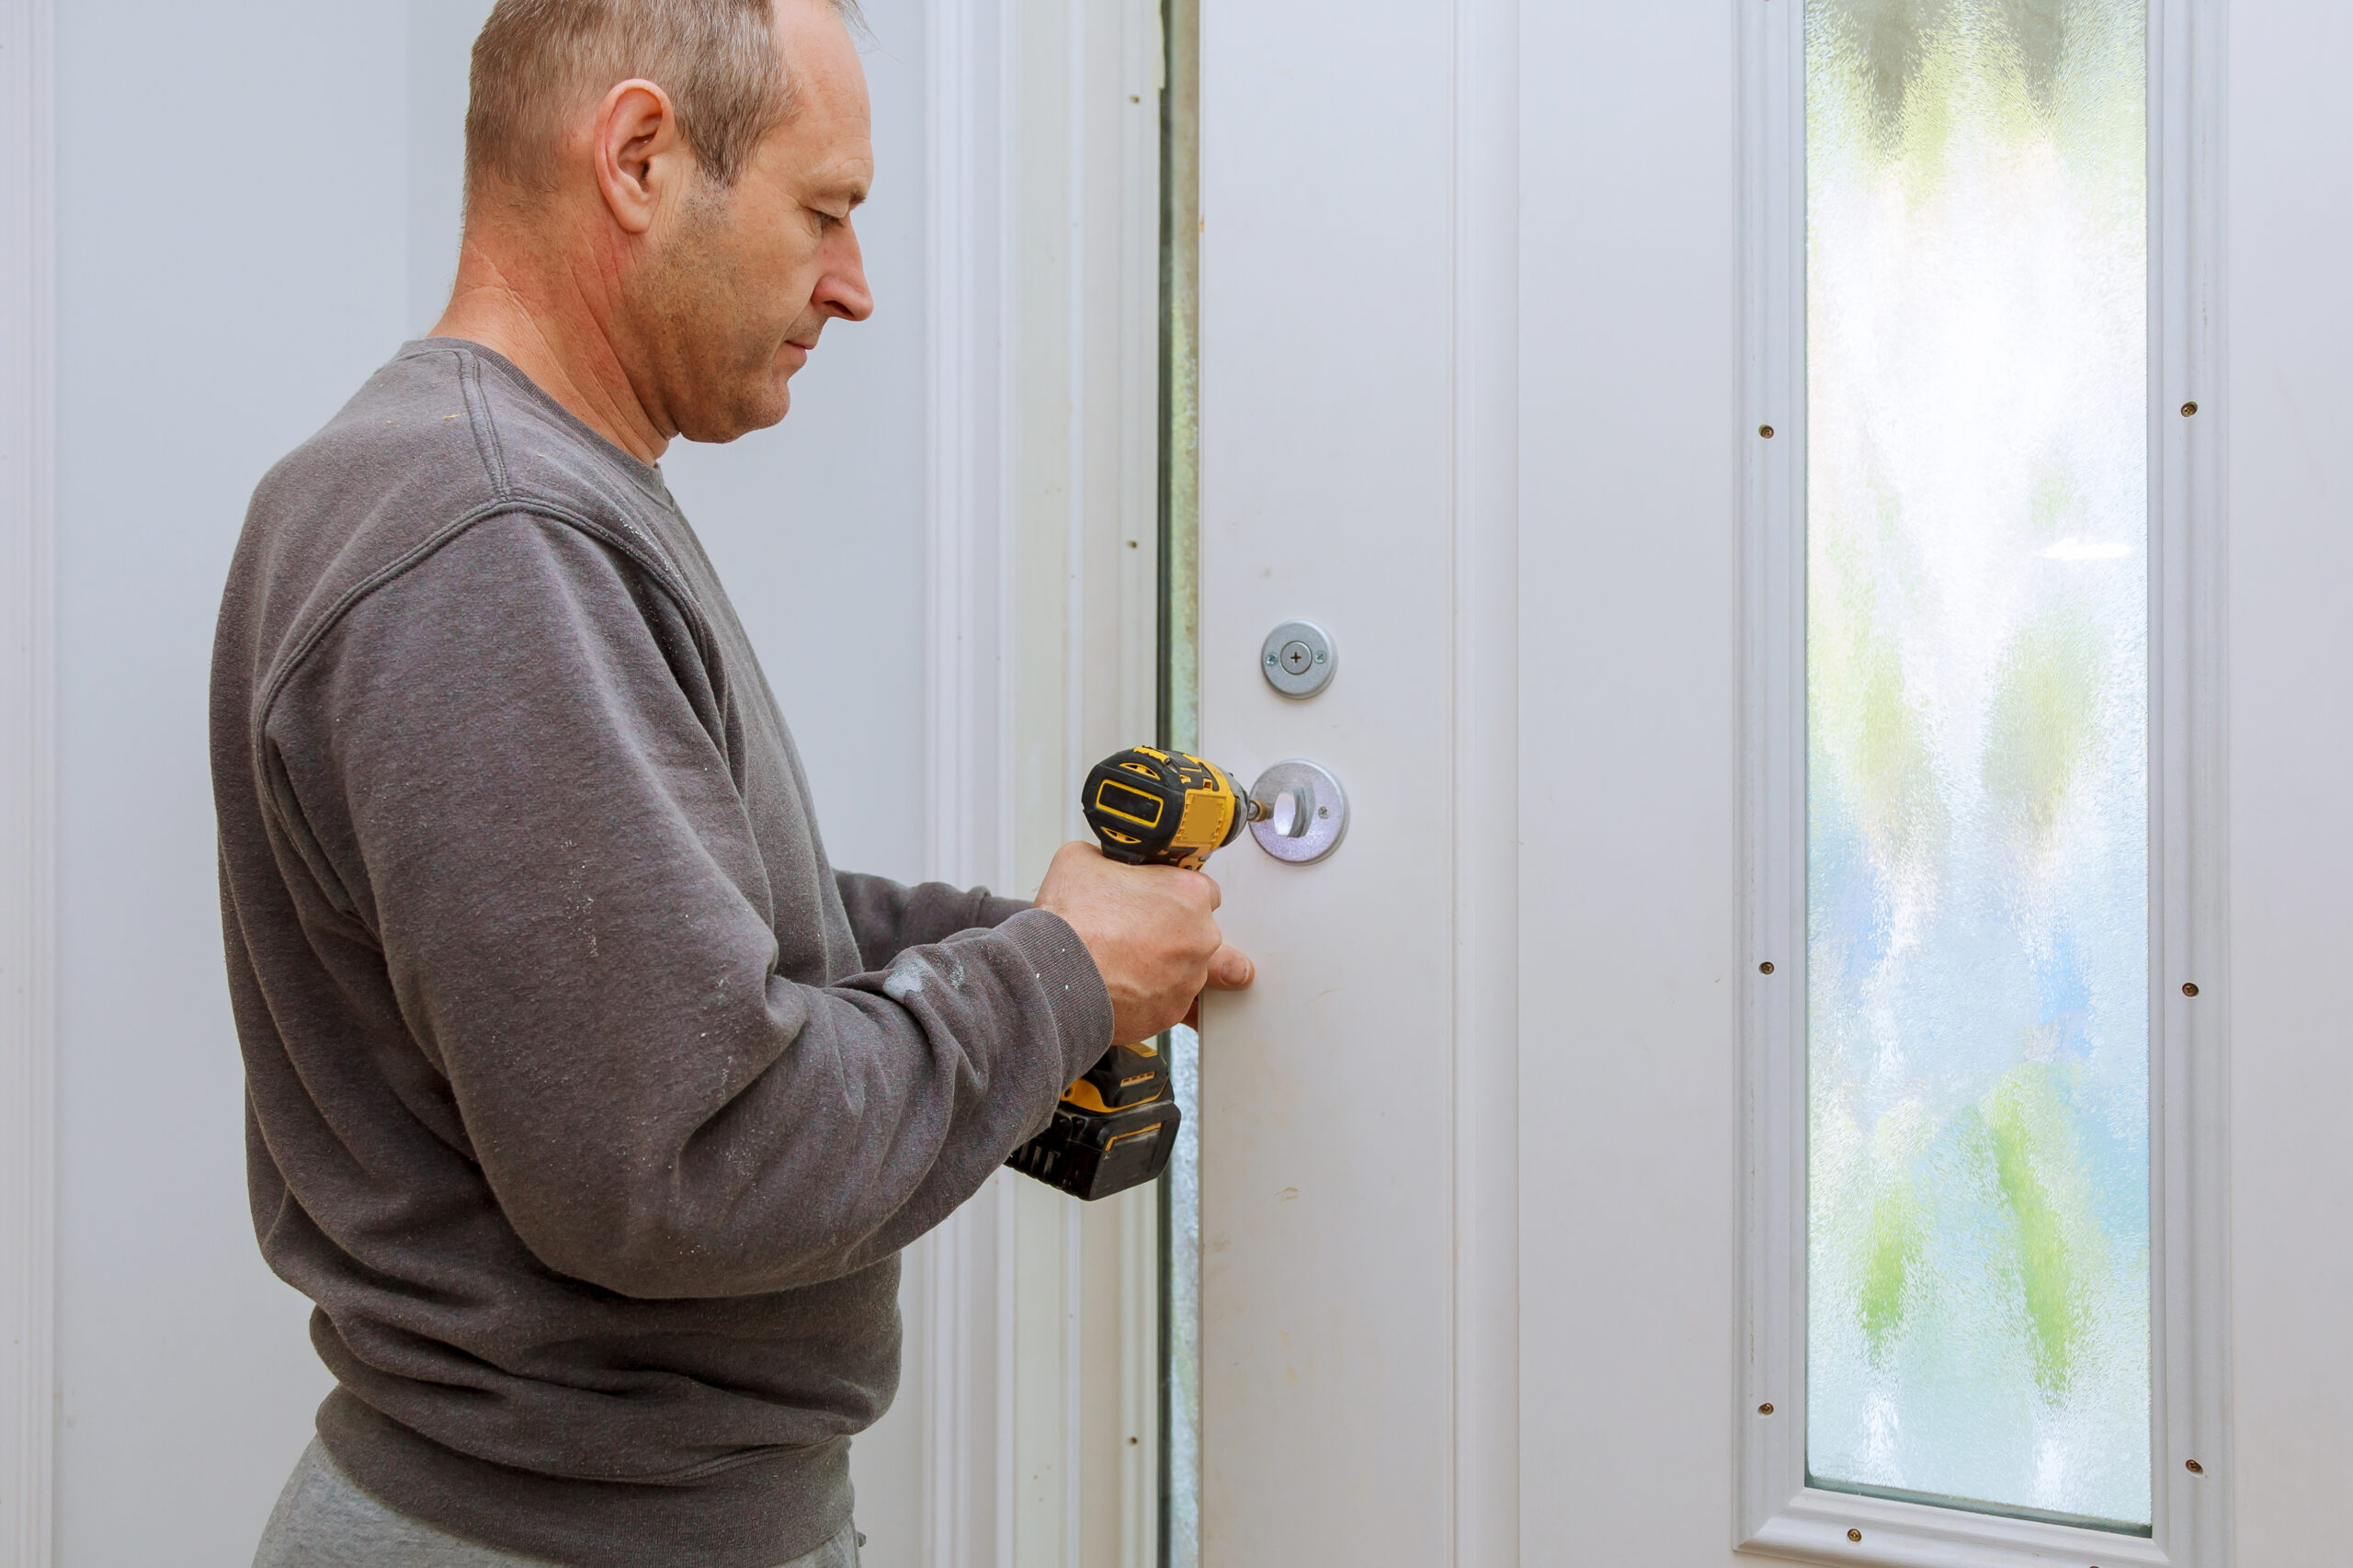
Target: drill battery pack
1096 1155
1114 1128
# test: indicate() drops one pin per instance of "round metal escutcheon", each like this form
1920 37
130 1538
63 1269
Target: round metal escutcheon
1298 658
1306 812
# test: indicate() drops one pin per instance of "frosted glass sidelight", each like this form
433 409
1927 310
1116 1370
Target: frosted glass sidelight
1978 1265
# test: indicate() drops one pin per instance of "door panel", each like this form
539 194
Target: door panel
1467 394
1326 488
1629 803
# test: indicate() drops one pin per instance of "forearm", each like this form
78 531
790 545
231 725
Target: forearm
889 916
826 1127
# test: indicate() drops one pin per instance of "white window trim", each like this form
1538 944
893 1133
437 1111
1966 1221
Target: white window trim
28 783
1775 1512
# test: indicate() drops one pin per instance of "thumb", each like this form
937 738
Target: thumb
1231 969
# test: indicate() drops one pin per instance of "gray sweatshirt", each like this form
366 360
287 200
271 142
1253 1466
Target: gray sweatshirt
589 1103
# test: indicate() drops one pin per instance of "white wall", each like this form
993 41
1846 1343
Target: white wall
256 205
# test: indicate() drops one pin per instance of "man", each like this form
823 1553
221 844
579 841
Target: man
590 1106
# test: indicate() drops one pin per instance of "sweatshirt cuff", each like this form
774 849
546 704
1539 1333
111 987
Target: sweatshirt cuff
1073 986
991 912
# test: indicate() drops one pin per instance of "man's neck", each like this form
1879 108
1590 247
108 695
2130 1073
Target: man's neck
550 332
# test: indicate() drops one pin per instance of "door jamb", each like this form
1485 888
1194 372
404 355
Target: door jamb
27 782
1035 1353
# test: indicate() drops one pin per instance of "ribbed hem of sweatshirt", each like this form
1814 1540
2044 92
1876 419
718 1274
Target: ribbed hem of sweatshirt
992 912
1074 985
758 1513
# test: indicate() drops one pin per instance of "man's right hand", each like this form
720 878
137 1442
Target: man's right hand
1151 932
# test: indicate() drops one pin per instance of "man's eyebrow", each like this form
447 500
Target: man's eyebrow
847 186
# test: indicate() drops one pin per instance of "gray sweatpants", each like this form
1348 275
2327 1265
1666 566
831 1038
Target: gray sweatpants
324 1520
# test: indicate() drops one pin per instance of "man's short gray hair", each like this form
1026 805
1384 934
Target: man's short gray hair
539 61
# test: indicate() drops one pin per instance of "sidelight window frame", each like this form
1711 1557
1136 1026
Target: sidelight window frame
1775 1512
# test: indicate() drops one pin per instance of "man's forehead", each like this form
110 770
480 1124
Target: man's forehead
820 62
829 126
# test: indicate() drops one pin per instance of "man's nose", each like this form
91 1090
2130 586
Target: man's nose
841 291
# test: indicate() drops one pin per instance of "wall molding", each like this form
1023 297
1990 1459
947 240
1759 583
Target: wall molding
1035 1353
969 378
960 1362
27 782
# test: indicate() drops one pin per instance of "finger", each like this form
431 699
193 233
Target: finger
1196 887
1231 969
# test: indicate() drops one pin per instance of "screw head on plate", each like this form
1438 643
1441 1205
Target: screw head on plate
1298 658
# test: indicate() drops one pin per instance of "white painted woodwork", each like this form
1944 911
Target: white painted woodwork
28 782
2288 157
1035 1361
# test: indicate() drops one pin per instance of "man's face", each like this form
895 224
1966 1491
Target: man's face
740 281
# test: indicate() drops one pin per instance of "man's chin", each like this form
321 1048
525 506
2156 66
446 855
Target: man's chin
716 426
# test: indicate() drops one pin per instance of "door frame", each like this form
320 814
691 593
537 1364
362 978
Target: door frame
27 781
1033 1346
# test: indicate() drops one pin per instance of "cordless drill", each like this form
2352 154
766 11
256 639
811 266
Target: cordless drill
1117 1126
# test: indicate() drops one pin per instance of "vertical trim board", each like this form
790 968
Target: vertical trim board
1041 368
28 783
963 1371
1484 1494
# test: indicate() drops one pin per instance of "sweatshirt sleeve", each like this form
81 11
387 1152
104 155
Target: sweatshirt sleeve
889 916
503 762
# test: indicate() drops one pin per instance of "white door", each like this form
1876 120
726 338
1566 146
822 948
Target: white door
1479 1249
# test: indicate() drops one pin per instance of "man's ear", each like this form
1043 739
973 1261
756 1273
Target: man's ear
637 148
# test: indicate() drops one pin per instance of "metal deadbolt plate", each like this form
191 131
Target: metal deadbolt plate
1298 658
1307 813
